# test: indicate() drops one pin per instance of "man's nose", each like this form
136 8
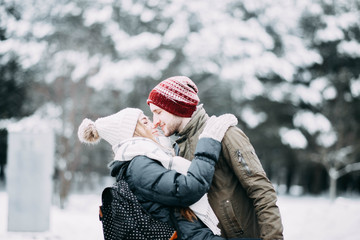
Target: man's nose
156 121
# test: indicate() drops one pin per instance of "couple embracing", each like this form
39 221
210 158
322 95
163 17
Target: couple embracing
209 185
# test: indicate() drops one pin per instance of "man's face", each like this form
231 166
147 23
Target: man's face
169 123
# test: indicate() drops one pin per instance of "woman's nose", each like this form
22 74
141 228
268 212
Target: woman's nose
151 124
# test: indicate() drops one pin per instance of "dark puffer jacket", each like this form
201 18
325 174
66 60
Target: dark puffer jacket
160 190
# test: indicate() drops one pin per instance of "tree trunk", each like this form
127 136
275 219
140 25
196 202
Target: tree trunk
333 182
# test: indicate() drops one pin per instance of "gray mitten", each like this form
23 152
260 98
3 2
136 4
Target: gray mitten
216 127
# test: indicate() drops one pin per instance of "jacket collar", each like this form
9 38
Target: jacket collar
198 119
117 168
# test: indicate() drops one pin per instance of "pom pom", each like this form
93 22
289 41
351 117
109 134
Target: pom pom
87 132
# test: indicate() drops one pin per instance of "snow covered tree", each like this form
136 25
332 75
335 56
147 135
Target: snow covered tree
332 28
287 69
15 77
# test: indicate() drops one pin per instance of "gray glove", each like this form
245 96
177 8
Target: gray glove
216 127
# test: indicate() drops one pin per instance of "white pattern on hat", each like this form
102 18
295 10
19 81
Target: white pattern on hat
177 95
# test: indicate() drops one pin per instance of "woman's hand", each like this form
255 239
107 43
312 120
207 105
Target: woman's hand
216 127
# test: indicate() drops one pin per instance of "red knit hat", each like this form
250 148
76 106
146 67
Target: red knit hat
176 95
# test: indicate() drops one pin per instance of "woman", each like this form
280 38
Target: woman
148 168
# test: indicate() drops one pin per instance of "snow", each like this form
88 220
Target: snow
316 123
95 15
78 221
45 119
42 29
326 139
319 218
141 42
349 48
178 29
81 62
252 118
355 87
348 20
331 33
293 137
116 74
67 9
30 52
312 122
305 217
308 95
147 15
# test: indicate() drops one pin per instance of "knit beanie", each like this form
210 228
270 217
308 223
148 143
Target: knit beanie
114 128
176 95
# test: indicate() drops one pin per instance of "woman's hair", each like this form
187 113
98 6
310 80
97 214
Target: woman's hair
188 214
87 132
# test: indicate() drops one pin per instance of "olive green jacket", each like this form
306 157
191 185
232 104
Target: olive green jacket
241 195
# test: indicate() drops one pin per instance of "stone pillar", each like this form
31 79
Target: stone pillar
29 179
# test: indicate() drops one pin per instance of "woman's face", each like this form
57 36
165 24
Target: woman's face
148 126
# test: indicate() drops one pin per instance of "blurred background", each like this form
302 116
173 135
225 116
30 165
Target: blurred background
288 69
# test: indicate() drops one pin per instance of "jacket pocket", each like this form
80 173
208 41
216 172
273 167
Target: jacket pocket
231 225
243 163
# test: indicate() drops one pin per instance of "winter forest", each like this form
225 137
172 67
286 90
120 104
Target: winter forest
288 69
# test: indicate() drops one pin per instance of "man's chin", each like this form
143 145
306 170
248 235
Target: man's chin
168 133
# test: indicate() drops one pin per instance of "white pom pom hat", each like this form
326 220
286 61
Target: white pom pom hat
116 127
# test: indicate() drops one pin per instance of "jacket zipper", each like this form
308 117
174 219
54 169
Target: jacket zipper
243 162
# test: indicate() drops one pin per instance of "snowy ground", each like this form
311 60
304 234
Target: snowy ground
303 218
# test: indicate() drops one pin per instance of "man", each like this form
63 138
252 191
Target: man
241 195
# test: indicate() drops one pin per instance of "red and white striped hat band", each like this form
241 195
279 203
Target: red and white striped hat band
176 95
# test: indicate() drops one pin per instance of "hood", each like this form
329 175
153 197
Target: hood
117 167
197 121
